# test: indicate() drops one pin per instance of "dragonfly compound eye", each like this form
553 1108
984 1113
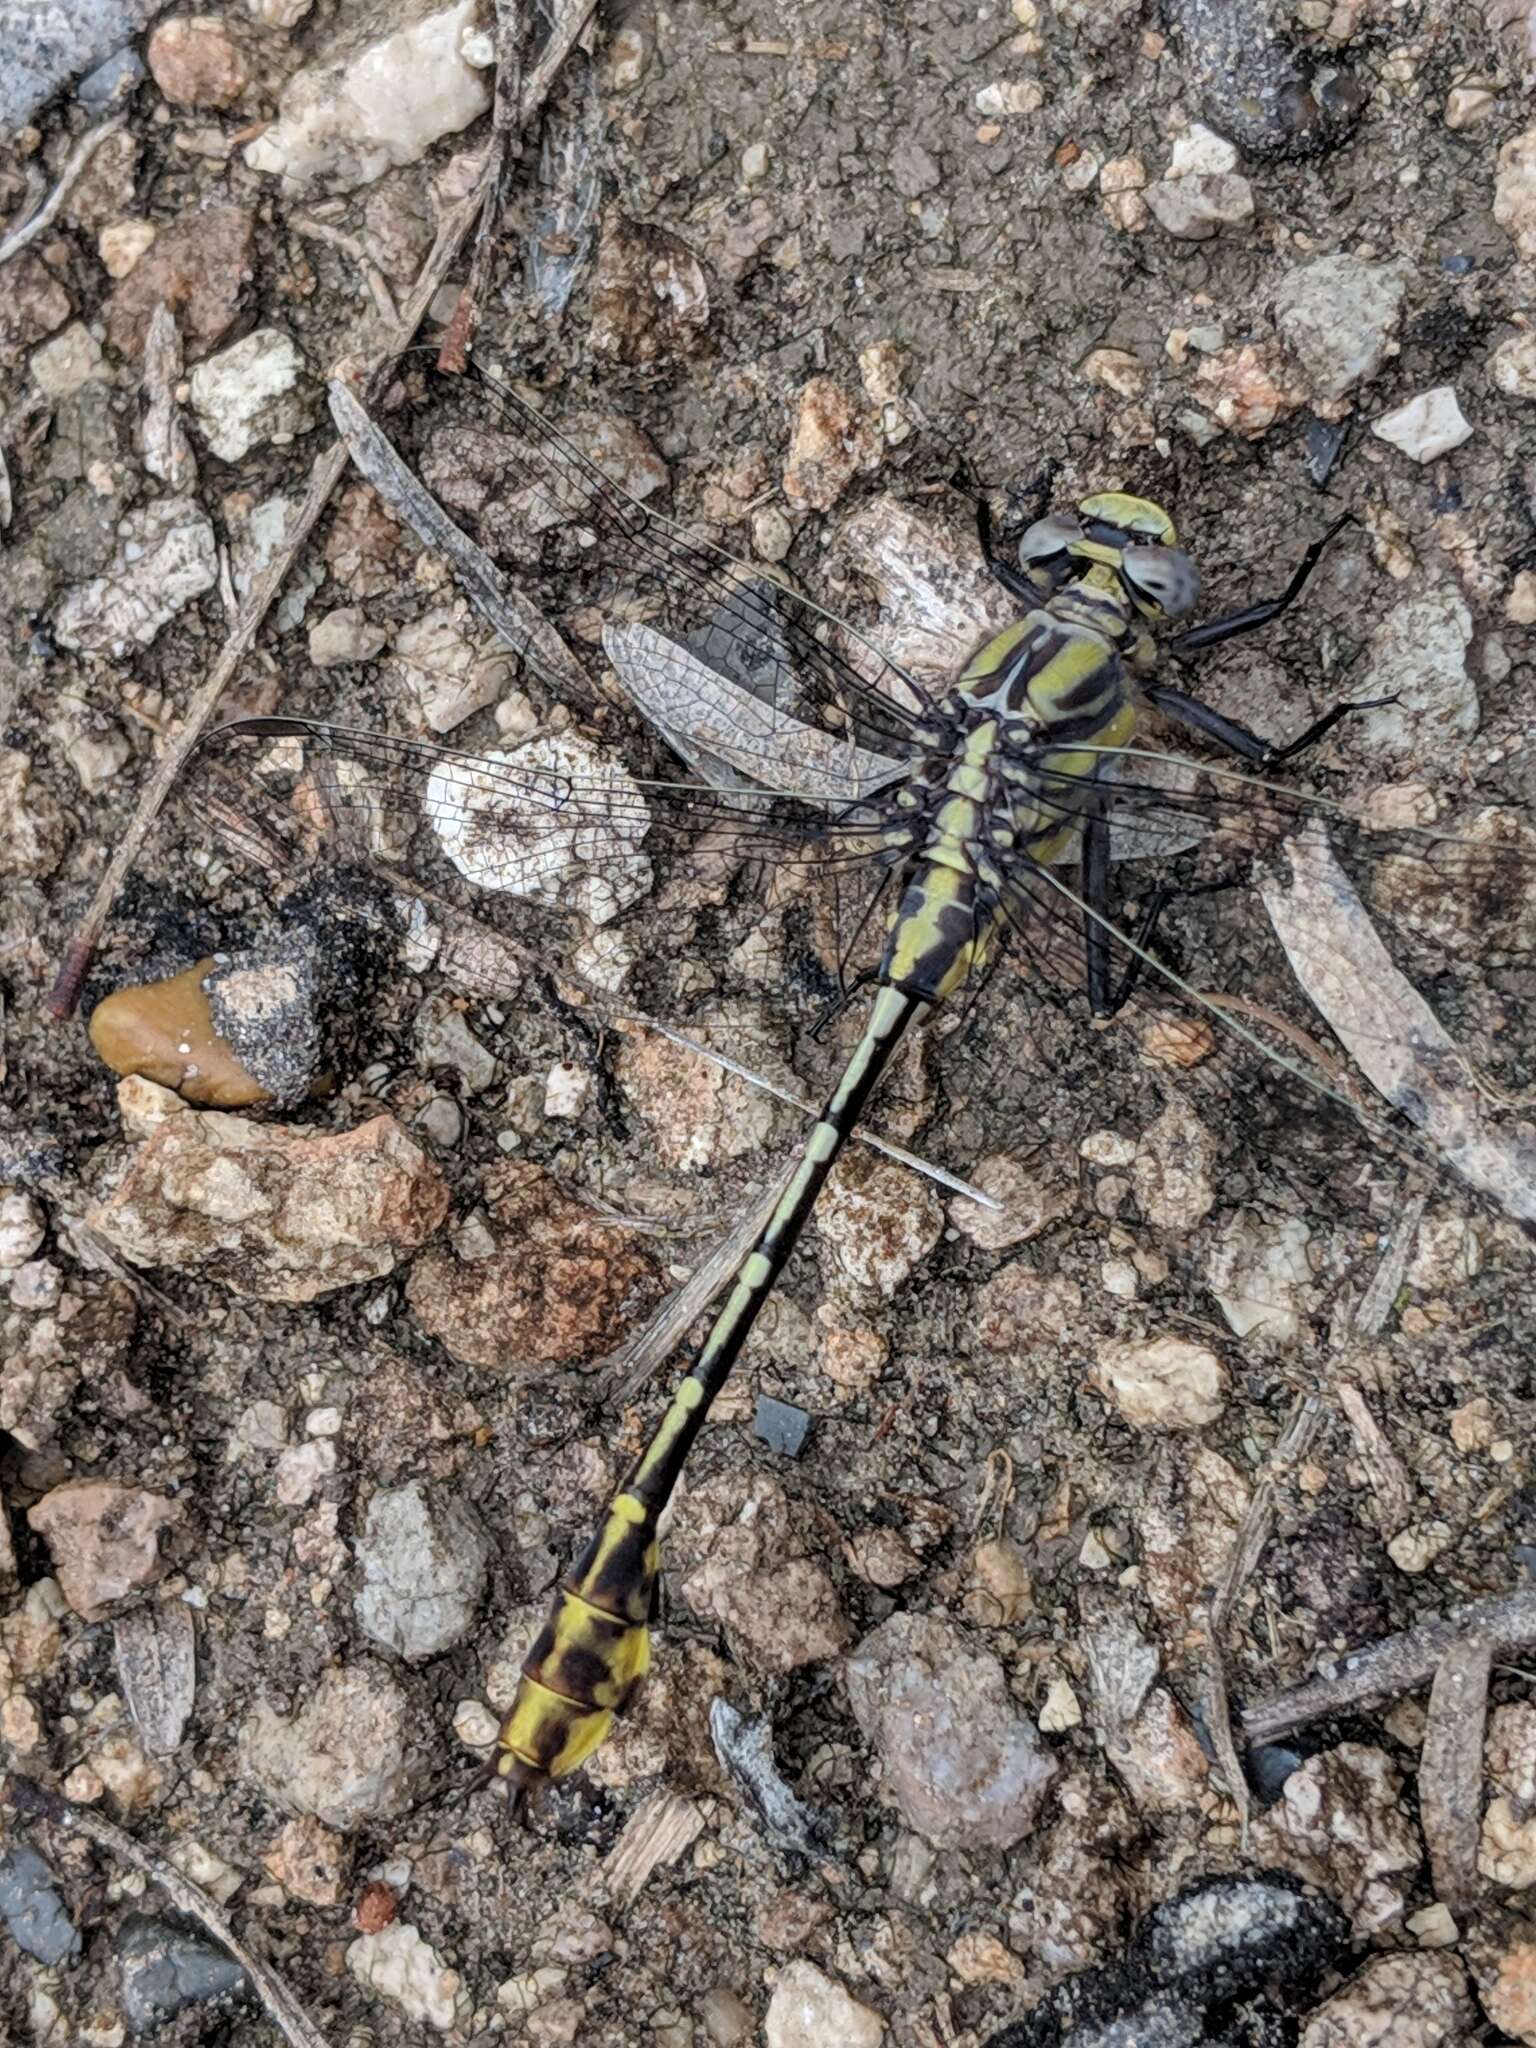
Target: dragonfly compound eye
1048 538
1163 578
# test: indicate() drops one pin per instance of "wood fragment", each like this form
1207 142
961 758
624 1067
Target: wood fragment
1382 1671
660 1830
162 434
69 177
156 1651
1385 1470
503 153
1375 1305
327 472
36 1801
1451 1770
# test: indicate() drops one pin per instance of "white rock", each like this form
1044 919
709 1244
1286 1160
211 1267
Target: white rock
1012 96
23 1227
382 97
1419 657
1514 192
567 1089
424 1556
1201 153
809 2009
1162 1382
1194 209
1061 1709
62 365
279 13
399 1965
300 1470
1512 366
166 557
36 1286
97 757
1337 317
444 665
1429 425
474 1724
343 635
1260 1276
247 394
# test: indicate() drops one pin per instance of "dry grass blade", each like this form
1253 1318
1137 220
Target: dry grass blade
323 479
1386 1471
1451 1769
287 2015
1388 1028
69 177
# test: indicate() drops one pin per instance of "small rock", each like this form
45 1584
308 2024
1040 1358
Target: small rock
163 1968
1185 1539
1338 316
377 1905
567 1090
23 1226
1409 2001
165 1032
1158 1758
62 365
964 1767
650 298
1340 1824
398 1964
35 304
1514 192
877 1223
444 664
444 1039
196 61
346 1755
1259 1274
1011 96
122 242
33 832
32 1908
197 267
558 1285
1192 209
167 555
362 544
808 2009
98 757
269 1211
1115 369
1418 657
937 600
1417 1547
1512 366
1162 1383
727 2019
1507 1851
1467 105
1123 194
831 442
424 1556
1431 424
1172 1169
344 635
391 83
1247 389
310 1862
748 1567
913 170
106 1540
36 1286
247 394
626 59
45 50
1000 1588
1031 1198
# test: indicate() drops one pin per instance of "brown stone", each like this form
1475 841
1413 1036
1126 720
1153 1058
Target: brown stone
557 1286
196 61
198 266
650 300
163 1031
33 304
106 1540
310 1862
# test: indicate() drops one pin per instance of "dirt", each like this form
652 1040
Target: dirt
827 175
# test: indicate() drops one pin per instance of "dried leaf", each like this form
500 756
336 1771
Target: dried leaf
156 1650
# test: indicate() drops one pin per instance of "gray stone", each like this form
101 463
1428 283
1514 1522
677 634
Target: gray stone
49 42
32 1909
1338 316
345 1755
424 1557
164 1967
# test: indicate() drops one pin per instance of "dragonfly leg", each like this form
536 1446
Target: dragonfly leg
1106 997
1238 739
1252 616
1013 579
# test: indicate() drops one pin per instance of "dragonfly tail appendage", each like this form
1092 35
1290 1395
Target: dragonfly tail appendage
595 1648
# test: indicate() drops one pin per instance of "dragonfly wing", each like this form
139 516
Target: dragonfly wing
702 710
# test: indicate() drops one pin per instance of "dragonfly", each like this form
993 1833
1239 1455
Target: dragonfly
993 815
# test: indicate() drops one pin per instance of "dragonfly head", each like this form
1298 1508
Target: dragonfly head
1131 538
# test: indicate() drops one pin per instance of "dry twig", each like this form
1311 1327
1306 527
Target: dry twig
504 151
1451 1769
69 177
1385 1469
323 479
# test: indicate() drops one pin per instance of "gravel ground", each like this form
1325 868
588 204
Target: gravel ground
295 1432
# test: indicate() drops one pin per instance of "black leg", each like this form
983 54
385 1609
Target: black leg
1013 580
1237 739
1106 999
1216 630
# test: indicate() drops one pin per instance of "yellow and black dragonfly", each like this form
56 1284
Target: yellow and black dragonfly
993 816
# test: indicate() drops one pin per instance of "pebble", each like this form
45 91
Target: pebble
425 1556
121 243
781 1426
1185 1541
1410 2001
164 1032
557 1286
726 2017
1431 424
107 1540
36 1286
378 1904
346 1756
650 296
33 1909
69 360
1514 192
1418 655
1193 209
831 442
567 1090
196 61
748 1568
1123 194
397 1963
1252 85
23 1227
878 1223
809 2009
248 394
342 636
162 1968
442 662
198 267
1247 389
963 1766
32 827
1015 96
376 100
1161 1382
310 1861
1339 1823
1172 1171
443 1039
1259 1274
936 598
1338 317
98 757
166 556
627 52
1502 1952
1031 1197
